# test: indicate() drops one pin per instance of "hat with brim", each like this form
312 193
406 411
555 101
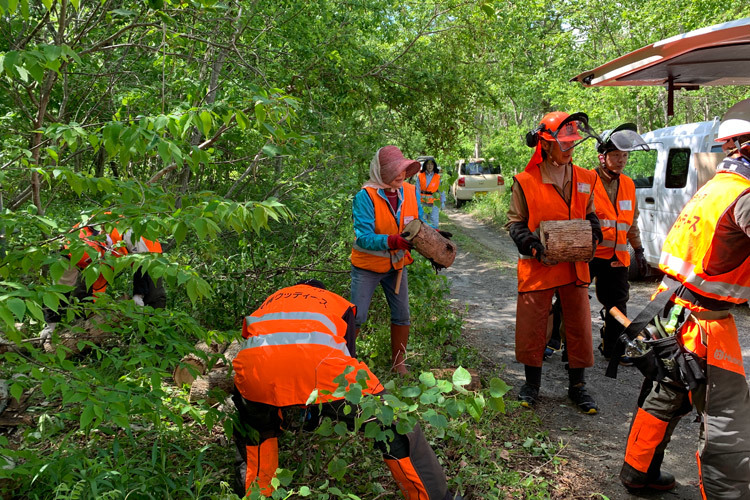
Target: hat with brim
392 163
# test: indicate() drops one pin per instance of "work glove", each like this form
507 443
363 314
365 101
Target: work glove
398 242
594 244
138 300
640 261
537 249
437 267
46 332
445 234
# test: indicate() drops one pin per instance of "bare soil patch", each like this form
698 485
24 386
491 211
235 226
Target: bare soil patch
483 285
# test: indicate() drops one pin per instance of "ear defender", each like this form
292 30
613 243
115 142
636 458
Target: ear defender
532 136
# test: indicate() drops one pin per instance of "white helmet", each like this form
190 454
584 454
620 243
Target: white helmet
736 121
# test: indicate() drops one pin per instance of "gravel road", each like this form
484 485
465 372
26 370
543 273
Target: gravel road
483 282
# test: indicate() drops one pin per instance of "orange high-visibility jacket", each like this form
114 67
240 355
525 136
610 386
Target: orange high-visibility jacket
615 220
545 203
687 252
426 191
296 343
382 261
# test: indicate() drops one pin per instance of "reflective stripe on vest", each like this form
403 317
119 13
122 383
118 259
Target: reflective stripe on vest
431 188
546 203
382 261
312 316
615 220
689 246
291 338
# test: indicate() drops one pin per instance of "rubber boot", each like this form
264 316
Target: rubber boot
399 339
262 462
416 469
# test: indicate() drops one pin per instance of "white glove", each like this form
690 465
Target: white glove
46 332
138 299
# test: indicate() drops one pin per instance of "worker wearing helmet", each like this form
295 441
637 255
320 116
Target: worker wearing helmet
146 290
733 128
552 188
618 214
707 252
299 343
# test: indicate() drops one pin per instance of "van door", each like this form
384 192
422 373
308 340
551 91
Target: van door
642 169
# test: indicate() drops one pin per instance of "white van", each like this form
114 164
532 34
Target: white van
682 158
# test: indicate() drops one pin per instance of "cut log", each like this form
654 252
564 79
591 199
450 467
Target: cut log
182 375
428 242
218 378
230 353
567 240
447 374
92 329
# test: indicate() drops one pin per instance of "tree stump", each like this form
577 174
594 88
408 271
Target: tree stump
428 242
218 378
182 375
567 240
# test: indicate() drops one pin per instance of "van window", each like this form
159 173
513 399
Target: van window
641 166
678 162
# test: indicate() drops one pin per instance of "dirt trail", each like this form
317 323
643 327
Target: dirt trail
594 445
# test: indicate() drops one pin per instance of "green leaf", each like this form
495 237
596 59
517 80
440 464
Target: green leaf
304 491
428 379
16 390
48 386
461 377
87 416
17 306
242 120
260 112
498 388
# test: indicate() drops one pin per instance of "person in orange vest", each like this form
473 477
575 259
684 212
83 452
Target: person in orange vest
707 253
428 188
298 343
380 211
617 209
553 188
146 291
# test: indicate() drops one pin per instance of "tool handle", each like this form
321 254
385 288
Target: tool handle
620 317
398 280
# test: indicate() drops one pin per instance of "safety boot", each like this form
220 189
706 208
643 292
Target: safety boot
663 482
399 339
528 395
582 399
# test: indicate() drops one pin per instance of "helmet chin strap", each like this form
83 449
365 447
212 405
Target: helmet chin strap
612 174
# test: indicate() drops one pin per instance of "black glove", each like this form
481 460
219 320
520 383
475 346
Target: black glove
437 267
522 237
594 244
445 234
537 245
640 261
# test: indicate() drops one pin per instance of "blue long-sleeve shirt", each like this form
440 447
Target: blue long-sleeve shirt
363 213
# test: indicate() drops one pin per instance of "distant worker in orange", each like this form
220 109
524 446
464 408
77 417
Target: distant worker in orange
298 342
553 188
146 290
617 209
428 188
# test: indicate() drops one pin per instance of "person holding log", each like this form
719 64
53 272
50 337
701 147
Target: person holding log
381 210
552 189
617 209
298 343
706 265
146 291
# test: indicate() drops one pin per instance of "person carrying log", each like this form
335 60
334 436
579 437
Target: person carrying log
380 211
617 209
551 188
298 342
706 265
146 291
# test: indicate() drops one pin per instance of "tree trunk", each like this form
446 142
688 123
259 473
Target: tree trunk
430 243
219 378
182 374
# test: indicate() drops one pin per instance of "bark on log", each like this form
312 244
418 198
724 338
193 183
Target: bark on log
430 243
218 378
92 332
567 240
182 375
230 353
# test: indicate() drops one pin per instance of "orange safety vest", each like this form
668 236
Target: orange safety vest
687 251
426 191
545 203
615 220
382 261
118 250
296 343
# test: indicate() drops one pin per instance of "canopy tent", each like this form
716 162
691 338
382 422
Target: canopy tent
716 55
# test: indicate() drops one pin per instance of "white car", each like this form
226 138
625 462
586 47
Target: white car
476 177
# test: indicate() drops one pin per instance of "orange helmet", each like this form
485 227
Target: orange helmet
562 128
